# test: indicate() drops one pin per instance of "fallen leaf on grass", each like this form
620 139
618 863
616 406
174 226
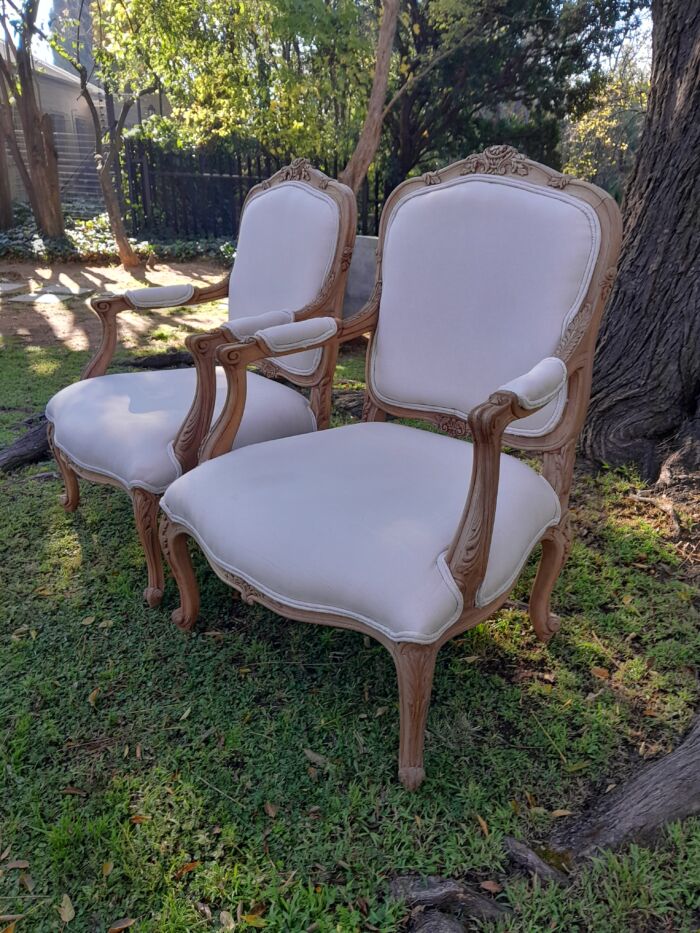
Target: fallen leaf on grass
66 910
316 759
559 813
186 869
186 714
226 920
18 863
253 920
122 924
107 868
602 673
483 824
139 818
75 791
88 620
271 809
11 928
27 882
381 711
576 766
106 623
492 886
92 699
4 855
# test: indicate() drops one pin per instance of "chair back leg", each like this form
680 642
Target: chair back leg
555 549
146 516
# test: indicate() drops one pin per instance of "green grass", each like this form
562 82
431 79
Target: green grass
130 752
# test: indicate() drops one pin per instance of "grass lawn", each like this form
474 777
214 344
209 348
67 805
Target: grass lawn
243 776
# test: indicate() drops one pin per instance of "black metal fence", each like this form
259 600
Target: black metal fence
188 194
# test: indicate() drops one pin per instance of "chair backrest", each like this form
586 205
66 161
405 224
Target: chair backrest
486 267
294 247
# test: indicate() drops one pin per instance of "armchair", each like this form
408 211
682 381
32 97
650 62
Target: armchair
139 431
491 279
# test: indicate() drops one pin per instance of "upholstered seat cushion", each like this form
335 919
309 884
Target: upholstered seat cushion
356 520
123 425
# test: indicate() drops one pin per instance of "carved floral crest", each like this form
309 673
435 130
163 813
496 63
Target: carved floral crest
299 170
496 160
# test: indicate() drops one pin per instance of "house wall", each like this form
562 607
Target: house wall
59 96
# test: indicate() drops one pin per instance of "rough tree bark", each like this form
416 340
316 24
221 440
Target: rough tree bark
356 169
6 218
646 383
663 791
39 169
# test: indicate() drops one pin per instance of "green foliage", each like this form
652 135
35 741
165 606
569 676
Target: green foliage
130 751
601 145
89 239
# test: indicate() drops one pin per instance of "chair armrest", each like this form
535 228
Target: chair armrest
467 556
540 385
107 307
247 326
297 335
279 340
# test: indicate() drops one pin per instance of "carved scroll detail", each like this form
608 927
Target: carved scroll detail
574 332
496 160
559 181
454 426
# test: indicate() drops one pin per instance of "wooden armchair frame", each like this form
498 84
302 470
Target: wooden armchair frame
203 347
487 425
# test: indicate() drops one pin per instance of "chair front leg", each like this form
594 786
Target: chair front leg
555 549
415 665
146 516
173 539
71 495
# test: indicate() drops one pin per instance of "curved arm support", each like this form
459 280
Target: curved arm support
197 422
107 307
366 318
468 553
236 357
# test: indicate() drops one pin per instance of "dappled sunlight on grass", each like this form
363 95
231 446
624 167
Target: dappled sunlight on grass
250 767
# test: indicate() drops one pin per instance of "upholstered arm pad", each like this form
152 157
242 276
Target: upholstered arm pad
244 327
298 335
540 385
164 296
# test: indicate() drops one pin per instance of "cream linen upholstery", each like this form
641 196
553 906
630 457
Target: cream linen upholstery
356 520
540 385
480 277
163 296
298 334
123 425
246 326
286 246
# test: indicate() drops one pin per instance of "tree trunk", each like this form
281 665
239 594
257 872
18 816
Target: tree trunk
6 218
42 160
663 791
127 256
366 148
646 381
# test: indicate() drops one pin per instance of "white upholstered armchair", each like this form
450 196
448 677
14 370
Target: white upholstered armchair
491 280
139 431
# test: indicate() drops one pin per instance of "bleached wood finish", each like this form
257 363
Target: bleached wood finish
328 302
488 427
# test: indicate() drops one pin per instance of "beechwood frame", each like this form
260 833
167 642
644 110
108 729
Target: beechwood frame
487 425
204 346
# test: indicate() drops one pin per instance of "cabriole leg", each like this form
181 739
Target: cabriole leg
71 495
146 517
415 665
555 550
174 542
